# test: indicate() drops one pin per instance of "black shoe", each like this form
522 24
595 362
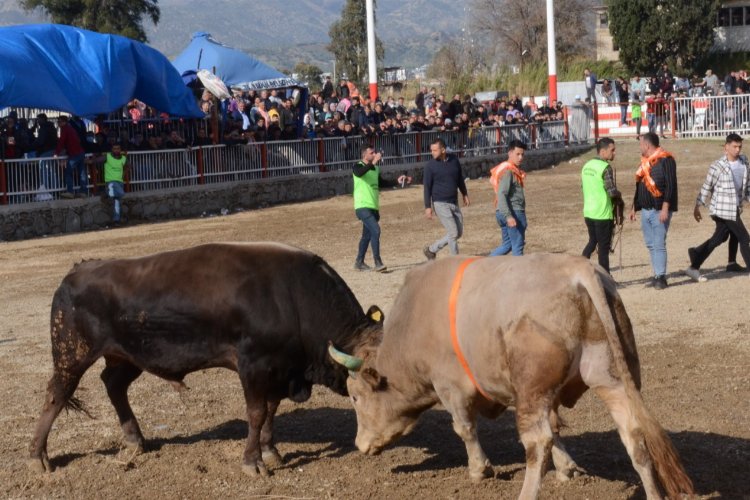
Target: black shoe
361 266
660 282
429 253
379 267
736 268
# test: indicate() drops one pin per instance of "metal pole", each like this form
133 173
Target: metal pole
371 59
551 58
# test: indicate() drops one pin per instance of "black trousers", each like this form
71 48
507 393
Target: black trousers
724 229
600 238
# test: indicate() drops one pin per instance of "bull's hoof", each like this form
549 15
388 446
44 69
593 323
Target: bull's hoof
39 465
256 469
272 458
480 475
134 443
569 473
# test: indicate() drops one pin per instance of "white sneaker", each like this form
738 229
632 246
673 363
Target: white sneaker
695 275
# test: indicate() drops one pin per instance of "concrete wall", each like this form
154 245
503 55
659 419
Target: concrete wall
33 220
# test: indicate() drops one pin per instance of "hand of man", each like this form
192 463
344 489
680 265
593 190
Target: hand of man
511 221
466 201
631 216
697 213
494 203
664 215
377 157
428 213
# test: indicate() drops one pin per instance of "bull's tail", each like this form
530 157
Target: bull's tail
667 464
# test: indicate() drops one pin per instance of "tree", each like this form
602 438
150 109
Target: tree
653 32
120 17
310 74
519 27
349 41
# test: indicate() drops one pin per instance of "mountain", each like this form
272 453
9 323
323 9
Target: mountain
285 32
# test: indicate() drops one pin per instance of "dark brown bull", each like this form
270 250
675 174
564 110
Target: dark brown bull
264 310
534 332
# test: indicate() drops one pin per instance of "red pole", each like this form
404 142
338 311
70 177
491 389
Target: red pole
566 126
673 119
419 145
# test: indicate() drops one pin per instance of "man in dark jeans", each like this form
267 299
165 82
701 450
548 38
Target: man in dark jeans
367 184
727 184
602 202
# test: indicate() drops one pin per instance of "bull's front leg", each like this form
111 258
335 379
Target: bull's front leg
269 453
461 408
257 409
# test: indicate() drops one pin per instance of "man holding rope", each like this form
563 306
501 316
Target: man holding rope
602 202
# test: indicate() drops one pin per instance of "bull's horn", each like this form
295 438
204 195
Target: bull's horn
351 363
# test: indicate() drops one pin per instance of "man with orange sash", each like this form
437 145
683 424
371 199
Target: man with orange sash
507 180
656 198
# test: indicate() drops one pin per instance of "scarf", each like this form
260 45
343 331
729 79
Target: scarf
643 174
498 170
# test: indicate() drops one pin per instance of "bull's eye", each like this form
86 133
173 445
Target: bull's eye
354 399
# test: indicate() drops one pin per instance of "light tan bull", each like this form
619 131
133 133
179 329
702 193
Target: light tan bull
536 332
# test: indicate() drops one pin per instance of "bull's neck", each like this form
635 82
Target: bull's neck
406 372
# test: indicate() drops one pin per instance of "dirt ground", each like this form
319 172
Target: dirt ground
693 339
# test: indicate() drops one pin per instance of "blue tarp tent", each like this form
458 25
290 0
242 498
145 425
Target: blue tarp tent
234 67
60 67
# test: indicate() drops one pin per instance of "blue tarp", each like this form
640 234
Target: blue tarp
60 67
234 67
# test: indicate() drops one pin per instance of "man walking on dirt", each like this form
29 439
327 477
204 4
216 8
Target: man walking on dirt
507 180
442 178
367 184
602 202
656 198
727 184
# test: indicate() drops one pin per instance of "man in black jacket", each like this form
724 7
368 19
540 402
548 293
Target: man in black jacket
442 179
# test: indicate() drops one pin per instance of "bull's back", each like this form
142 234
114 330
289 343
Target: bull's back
180 311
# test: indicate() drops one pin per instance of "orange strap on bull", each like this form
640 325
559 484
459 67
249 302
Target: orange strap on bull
453 298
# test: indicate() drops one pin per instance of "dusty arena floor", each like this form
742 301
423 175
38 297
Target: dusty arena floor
693 339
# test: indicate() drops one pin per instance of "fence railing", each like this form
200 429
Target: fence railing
703 116
43 179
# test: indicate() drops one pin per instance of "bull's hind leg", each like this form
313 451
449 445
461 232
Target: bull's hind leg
619 407
269 453
117 377
565 467
532 418
71 357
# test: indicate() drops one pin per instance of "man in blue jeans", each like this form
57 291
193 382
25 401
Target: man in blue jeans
507 180
367 184
656 198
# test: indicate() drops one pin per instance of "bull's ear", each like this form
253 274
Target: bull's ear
372 378
375 314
